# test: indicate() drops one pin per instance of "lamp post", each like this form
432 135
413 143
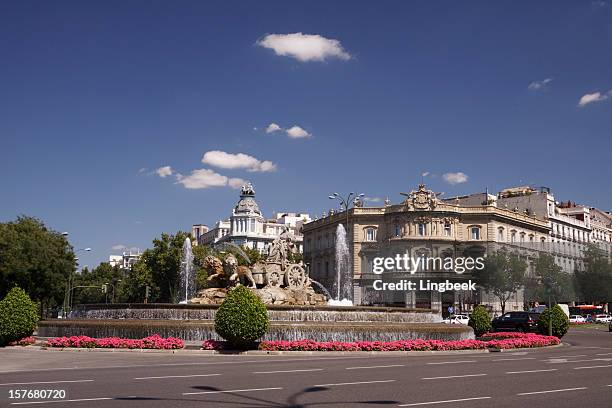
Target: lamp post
68 293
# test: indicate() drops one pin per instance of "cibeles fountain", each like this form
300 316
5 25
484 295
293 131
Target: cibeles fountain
298 307
277 280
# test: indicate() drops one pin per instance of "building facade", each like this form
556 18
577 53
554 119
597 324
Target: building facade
422 226
126 260
248 227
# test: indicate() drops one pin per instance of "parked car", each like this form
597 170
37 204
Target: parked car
457 319
519 321
577 319
603 318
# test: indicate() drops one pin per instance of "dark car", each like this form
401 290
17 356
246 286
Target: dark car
516 321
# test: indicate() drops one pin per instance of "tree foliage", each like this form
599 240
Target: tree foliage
549 280
18 316
503 274
36 259
594 283
242 318
560 322
480 321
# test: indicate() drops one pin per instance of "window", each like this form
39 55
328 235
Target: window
475 233
252 225
500 234
513 236
522 237
447 229
422 229
370 234
398 230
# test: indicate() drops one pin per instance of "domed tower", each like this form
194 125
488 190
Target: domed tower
246 219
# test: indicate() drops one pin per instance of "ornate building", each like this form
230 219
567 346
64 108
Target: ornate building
248 227
422 226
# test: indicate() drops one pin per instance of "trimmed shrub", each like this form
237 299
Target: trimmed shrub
480 321
560 322
18 316
242 318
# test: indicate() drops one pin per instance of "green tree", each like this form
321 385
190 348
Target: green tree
36 259
480 321
242 318
559 320
549 280
503 274
18 316
594 283
95 278
160 268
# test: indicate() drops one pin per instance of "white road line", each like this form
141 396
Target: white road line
601 366
452 376
48 382
72 400
513 359
288 371
443 402
354 383
377 366
549 391
575 355
530 371
603 354
227 391
176 376
453 362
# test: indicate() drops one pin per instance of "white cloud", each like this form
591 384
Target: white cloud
538 85
224 160
202 178
236 183
304 47
273 127
118 247
593 97
425 174
455 178
296 132
372 199
164 171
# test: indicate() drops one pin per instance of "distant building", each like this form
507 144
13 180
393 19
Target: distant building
126 260
248 227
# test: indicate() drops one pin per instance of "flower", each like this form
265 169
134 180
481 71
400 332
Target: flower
152 342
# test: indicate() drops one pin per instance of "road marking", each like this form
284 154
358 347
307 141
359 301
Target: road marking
513 359
443 402
452 376
575 355
288 371
72 400
603 354
377 366
227 391
354 383
48 382
601 366
175 376
453 362
549 391
530 371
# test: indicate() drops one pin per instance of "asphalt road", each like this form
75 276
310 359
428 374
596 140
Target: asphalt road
576 375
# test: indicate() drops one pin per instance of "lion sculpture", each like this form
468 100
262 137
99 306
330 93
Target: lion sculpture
228 268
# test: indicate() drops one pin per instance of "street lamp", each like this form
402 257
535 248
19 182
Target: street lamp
69 287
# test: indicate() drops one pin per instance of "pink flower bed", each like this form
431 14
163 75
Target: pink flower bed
26 341
151 342
491 340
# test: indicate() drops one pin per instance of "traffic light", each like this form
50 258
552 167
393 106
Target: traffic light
105 288
147 290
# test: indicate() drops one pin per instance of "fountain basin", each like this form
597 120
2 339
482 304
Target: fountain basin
196 323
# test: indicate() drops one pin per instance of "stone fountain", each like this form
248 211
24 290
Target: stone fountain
277 280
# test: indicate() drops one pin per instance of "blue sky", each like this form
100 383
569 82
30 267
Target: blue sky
96 96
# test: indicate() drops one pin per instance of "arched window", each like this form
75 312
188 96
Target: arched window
500 234
513 236
398 230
